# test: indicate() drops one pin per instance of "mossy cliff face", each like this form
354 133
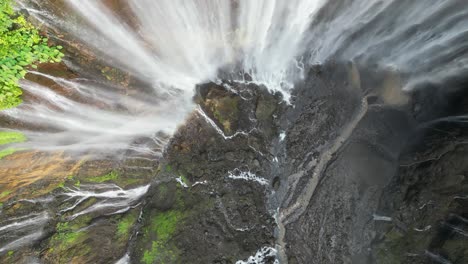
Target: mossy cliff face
191 198
206 216
209 197
60 228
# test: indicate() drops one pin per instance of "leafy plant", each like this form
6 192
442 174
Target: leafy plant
21 47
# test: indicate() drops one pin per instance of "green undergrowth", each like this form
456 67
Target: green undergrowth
226 110
7 151
125 226
4 194
68 240
8 137
164 225
21 47
111 176
173 210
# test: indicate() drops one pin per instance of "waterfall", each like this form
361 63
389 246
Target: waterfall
173 45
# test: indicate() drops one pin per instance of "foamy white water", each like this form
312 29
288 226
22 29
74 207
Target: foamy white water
79 126
22 231
172 46
112 198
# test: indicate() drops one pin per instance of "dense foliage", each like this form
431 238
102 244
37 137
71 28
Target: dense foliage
21 46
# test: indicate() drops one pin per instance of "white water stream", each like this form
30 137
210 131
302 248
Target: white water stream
173 45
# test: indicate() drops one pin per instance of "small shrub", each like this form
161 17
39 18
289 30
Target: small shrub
21 46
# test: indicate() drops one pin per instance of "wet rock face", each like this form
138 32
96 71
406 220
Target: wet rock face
217 211
66 210
331 161
427 202
373 204
344 137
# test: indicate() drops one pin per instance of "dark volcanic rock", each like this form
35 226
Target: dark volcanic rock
353 170
220 215
369 204
427 201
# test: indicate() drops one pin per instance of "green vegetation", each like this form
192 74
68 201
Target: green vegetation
164 226
6 152
185 180
4 194
66 236
21 46
69 240
111 176
7 137
225 111
125 225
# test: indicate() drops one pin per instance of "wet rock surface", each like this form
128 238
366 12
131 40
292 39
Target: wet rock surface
218 208
372 205
348 172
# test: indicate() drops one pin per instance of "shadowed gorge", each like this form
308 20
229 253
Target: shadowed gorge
233 131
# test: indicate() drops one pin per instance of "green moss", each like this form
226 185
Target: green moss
163 225
66 236
168 168
226 111
125 226
4 194
159 254
112 176
7 152
69 241
7 137
77 184
179 199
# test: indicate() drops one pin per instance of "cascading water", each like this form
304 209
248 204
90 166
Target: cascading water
167 47
174 45
171 46
423 41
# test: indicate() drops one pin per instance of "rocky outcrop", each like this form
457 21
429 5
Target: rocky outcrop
350 171
217 212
